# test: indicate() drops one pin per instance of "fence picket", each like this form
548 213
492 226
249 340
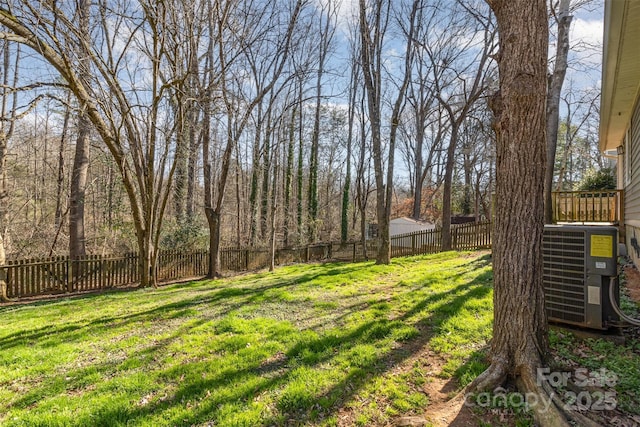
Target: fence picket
30 277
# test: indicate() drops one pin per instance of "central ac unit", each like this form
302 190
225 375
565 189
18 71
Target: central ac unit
579 262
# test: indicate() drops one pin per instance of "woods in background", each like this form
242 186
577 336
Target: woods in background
137 126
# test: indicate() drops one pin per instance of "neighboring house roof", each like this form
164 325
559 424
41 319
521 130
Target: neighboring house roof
620 70
408 225
407 220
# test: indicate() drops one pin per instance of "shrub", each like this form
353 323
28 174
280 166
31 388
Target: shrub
603 179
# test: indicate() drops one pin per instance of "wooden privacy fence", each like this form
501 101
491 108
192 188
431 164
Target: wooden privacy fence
464 237
31 277
57 275
242 259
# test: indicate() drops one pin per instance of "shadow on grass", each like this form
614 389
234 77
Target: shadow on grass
218 296
75 331
266 373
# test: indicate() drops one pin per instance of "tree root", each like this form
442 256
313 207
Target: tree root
493 377
542 400
548 409
542 388
3 293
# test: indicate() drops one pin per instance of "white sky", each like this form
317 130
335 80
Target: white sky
587 36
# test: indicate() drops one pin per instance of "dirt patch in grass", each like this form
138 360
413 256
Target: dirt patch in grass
632 276
446 398
631 288
446 403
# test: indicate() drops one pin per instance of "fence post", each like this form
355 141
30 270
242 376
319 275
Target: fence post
3 277
454 238
103 271
69 274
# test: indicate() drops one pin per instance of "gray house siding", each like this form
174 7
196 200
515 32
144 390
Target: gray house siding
632 186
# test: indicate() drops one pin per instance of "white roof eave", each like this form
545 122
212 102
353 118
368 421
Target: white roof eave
620 70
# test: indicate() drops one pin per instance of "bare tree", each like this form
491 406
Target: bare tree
8 116
289 173
374 19
267 51
460 78
562 19
520 341
327 28
183 41
267 167
77 247
61 163
353 93
274 208
420 99
574 142
364 182
358 128
126 116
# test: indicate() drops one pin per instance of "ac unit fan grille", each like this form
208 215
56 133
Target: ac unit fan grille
564 275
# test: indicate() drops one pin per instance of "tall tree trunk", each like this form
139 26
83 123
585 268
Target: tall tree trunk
418 177
344 213
235 124
255 178
3 213
327 15
58 216
77 243
9 112
213 220
77 246
312 191
266 172
4 136
110 196
274 208
372 30
447 244
353 92
362 194
289 176
468 182
180 180
192 121
192 170
213 211
238 201
300 172
214 215
362 188
566 155
556 81
61 171
370 60
520 343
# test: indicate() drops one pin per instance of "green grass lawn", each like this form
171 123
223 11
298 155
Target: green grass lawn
302 345
316 345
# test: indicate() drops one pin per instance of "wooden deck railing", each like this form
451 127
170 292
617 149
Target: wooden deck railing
604 206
